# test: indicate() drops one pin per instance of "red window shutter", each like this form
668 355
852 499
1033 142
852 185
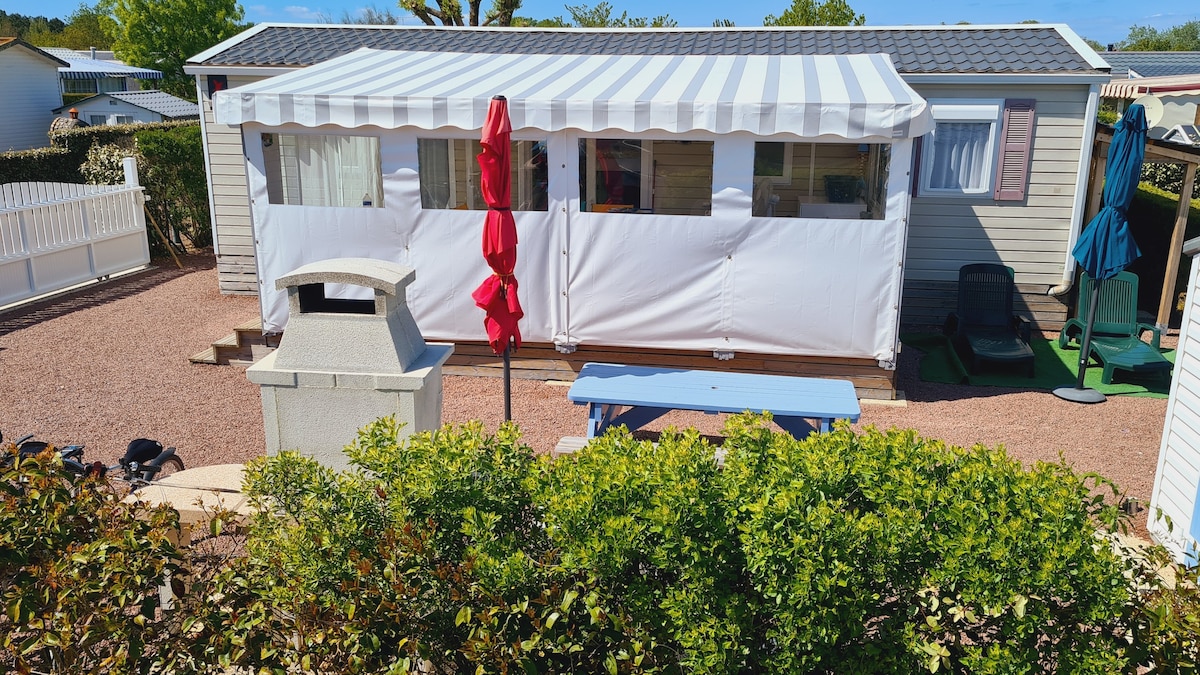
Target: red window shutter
1016 148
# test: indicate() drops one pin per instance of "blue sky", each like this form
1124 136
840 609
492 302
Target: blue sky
1103 20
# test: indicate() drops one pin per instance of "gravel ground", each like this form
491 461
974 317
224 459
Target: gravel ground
108 363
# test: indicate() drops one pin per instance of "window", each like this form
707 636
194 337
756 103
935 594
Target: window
773 160
74 86
449 174
323 170
123 119
959 155
636 176
97 120
820 180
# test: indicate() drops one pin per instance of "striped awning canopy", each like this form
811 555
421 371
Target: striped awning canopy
90 69
1167 85
852 96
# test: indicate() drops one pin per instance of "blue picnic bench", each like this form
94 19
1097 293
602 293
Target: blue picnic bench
636 395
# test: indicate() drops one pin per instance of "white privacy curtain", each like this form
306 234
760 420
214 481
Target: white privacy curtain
329 170
960 156
849 96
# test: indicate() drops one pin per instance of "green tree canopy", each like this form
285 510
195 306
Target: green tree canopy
450 12
1181 38
164 34
599 16
810 13
366 16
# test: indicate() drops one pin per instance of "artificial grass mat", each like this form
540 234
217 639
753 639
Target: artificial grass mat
1053 367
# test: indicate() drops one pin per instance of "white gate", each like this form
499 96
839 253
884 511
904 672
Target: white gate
56 235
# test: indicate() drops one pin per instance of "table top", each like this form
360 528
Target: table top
715 391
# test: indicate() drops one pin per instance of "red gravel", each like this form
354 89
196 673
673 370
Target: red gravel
109 363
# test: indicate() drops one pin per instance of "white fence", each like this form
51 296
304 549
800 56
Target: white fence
56 235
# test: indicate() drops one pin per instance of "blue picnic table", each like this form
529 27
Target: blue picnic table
637 395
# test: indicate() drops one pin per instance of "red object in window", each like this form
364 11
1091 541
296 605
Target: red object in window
497 295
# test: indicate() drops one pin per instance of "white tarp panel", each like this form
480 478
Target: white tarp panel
727 281
847 96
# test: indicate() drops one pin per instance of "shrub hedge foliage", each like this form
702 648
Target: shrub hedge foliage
171 167
874 552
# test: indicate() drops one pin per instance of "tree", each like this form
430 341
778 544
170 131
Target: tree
1181 38
163 34
366 16
809 13
601 16
450 13
86 28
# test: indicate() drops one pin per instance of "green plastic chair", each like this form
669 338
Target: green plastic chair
984 328
1116 334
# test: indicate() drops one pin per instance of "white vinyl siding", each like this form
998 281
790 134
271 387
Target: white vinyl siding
31 93
237 272
1029 235
1178 476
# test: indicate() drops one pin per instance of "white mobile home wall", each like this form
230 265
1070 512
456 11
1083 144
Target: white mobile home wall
1032 236
1177 480
30 86
229 199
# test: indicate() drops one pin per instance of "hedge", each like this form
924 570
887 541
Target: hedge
461 551
1152 221
68 149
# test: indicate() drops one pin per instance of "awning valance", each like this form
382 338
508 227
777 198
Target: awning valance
90 69
1168 85
852 96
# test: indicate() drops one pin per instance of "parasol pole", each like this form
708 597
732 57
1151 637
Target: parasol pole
507 367
1080 393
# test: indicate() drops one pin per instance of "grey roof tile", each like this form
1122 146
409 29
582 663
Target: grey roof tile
1153 64
160 102
1033 49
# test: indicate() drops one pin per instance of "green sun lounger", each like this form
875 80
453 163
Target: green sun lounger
984 329
1116 334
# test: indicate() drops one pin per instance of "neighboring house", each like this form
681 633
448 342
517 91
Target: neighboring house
1170 100
94 72
29 80
1130 65
128 107
1001 178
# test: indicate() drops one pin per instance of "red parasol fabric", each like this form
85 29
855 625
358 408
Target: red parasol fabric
497 295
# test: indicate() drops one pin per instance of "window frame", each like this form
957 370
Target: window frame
968 111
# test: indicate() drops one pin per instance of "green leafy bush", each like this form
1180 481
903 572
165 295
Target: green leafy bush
457 551
79 571
174 176
885 552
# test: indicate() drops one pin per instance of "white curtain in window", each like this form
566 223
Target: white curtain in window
330 170
959 156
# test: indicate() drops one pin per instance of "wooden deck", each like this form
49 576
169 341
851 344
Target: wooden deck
540 361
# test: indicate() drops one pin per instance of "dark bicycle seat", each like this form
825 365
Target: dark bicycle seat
141 450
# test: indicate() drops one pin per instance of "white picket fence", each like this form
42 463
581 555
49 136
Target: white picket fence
56 235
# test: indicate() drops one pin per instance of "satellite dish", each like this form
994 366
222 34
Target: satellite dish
1154 109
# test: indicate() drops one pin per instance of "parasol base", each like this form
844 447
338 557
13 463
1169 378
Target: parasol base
1080 395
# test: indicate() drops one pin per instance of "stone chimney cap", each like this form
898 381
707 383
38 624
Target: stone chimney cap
381 275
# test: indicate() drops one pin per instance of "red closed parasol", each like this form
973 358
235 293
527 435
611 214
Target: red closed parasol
497 295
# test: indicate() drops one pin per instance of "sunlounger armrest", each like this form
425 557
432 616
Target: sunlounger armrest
1155 334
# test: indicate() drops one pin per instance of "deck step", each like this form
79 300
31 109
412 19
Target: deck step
208 356
245 345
